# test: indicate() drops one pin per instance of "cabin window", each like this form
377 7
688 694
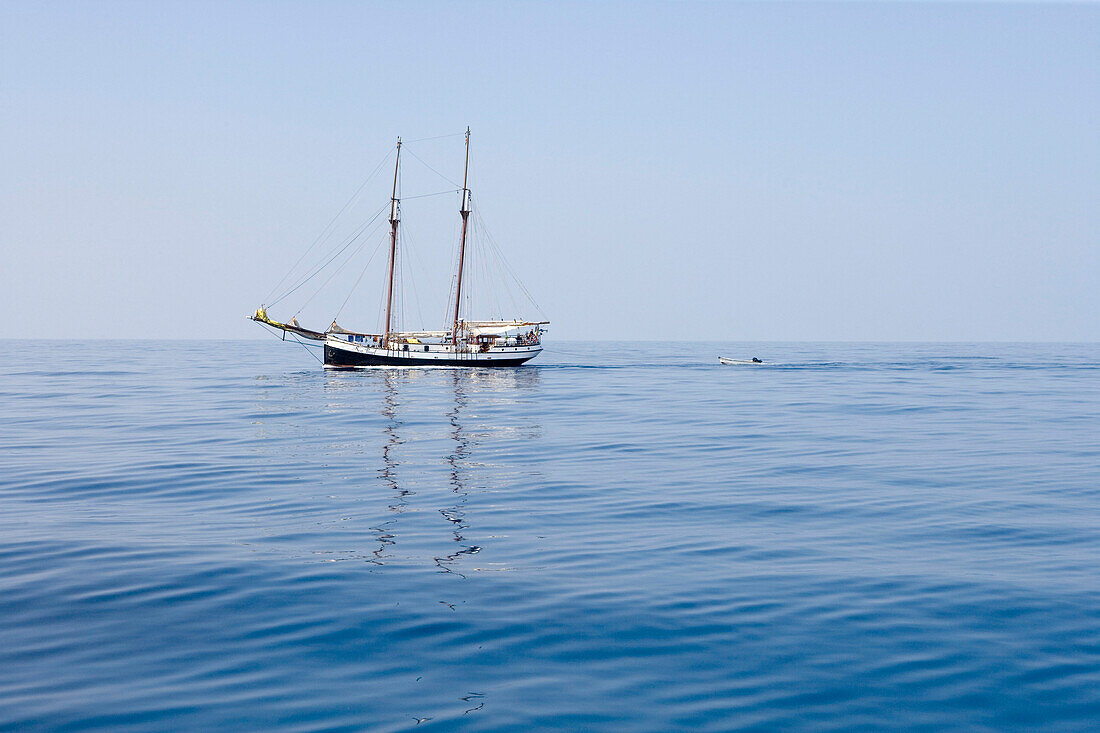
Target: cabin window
425 347
404 347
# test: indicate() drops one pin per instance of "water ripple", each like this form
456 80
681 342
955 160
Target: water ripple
850 536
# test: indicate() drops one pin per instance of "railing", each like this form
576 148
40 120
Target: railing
478 347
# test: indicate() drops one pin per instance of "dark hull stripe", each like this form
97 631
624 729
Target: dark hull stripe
343 359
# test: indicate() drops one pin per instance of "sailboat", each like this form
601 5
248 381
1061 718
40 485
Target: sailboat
462 343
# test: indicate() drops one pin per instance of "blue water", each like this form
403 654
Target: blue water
198 536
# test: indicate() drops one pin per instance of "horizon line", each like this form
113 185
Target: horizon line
594 341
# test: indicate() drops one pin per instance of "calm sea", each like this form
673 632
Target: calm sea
224 536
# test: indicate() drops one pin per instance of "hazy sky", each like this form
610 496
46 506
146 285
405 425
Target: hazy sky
653 170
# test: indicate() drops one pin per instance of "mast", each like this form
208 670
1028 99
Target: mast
465 212
395 214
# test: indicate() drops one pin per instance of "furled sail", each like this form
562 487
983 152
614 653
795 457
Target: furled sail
260 316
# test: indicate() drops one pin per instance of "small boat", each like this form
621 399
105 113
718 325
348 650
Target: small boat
739 362
462 343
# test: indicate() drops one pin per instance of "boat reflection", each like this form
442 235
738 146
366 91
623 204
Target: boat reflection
414 411
456 514
388 472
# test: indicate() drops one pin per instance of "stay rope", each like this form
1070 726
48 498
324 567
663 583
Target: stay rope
325 231
317 270
433 170
358 279
340 268
295 337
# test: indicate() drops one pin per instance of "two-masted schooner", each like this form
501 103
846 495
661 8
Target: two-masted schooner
464 343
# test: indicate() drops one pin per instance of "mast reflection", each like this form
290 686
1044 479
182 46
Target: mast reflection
409 398
456 514
387 536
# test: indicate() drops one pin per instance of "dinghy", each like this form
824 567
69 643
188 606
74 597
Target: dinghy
739 362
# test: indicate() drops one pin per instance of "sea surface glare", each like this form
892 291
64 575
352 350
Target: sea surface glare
200 536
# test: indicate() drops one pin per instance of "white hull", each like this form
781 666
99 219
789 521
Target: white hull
345 351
